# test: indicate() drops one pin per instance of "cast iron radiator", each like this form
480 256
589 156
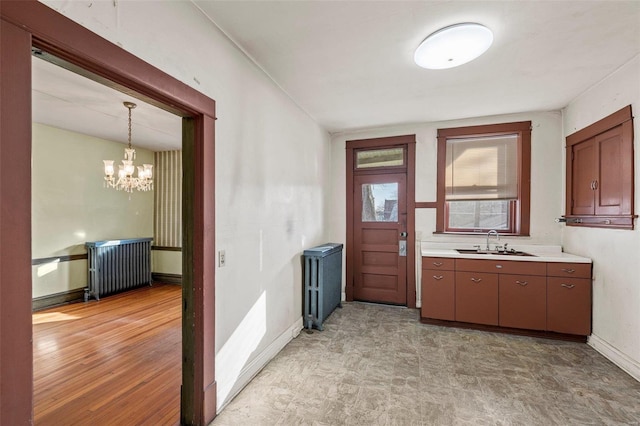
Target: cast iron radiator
117 265
322 283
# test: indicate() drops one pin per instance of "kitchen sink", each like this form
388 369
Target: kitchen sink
501 253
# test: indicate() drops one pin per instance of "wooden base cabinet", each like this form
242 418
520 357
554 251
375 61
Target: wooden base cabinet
477 297
544 297
438 289
523 300
569 298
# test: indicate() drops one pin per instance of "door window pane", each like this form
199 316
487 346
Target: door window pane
380 202
387 157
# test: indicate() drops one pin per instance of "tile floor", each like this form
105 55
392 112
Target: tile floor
377 365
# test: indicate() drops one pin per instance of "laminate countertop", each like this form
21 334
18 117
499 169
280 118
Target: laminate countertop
540 253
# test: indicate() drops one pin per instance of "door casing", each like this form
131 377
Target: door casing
25 24
409 141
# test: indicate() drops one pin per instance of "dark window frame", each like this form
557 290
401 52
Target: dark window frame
520 208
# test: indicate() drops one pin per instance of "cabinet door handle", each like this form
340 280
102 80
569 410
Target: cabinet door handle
595 184
438 277
591 185
476 280
499 266
522 283
568 271
569 286
437 264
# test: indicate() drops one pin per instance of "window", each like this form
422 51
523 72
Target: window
483 178
385 157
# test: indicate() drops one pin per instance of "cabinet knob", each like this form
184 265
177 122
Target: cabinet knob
568 271
476 280
438 277
522 283
569 286
437 264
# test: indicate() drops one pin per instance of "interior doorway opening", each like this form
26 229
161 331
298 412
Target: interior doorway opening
30 24
78 123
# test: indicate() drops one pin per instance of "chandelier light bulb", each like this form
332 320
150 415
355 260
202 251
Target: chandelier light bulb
108 167
453 46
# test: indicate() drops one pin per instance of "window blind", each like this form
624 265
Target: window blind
482 168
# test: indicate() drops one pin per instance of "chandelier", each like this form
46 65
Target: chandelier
125 181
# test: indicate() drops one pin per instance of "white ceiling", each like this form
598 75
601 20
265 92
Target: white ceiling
69 101
349 64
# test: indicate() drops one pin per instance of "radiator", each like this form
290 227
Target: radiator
322 283
117 265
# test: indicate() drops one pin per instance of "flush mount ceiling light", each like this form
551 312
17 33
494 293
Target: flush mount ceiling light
452 46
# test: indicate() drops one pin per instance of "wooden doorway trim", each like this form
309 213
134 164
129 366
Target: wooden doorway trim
28 23
351 145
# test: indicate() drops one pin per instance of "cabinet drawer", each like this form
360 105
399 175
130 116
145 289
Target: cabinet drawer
569 305
438 295
501 266
575 270
477 297
444 263
523 301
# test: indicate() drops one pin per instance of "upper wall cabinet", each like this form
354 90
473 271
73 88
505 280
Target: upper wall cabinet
600 173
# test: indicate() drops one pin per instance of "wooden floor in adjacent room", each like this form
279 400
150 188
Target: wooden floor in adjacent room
110 362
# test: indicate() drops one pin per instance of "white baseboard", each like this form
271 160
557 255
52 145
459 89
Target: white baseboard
260 361
614 355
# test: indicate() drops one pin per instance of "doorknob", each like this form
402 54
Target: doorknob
403 235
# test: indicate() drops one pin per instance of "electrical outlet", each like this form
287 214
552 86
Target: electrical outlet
222 258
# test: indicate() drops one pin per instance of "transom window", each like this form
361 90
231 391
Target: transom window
384 157
483 178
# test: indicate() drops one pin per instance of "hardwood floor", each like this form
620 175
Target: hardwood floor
110 362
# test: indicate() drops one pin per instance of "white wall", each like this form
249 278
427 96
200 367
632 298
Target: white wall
272 168
546 176
616 288
71 206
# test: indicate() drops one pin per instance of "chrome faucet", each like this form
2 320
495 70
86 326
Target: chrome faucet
492 232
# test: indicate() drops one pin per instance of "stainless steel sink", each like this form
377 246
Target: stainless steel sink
501 253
